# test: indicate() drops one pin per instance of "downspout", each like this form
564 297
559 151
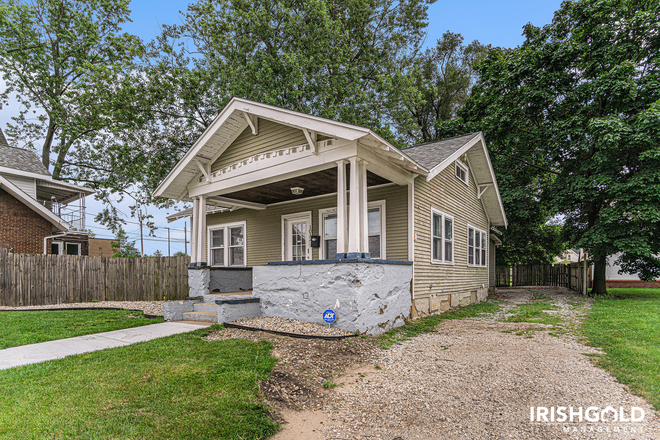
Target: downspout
51 236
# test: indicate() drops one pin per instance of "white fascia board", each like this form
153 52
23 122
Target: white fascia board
48 183
14 172
423 171
458 153
275 172
33 204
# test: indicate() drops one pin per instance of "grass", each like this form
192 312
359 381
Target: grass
429 323
535 312
179 387
21 328
626 326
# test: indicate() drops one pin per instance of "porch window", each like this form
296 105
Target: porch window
227 245
442 237
476 247
376 221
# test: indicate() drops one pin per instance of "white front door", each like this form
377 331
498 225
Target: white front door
296 238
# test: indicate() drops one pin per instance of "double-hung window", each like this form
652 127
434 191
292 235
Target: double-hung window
461 171
477 240
442 237
227 245
376 224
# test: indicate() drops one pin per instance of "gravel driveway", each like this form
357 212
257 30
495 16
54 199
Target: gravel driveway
472 381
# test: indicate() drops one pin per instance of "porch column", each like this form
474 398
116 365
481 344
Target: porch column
341 207
364 209
354 209
201 232
193 233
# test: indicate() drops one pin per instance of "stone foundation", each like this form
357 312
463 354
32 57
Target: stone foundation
369 297
203 280
441 303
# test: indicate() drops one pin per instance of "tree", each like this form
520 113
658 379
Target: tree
122 247
157 253
444 76
573 115
69 67
180 254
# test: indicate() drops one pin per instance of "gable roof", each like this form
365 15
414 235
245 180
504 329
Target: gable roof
20 159
233 119
430 154
438 155
33 204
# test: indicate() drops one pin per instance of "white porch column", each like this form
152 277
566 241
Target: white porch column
364 209
193 232
201 232
354 209
341 207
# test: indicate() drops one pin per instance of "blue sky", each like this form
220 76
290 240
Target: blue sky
498 23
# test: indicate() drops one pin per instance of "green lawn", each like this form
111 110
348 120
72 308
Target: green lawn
627 327
21 328
179 387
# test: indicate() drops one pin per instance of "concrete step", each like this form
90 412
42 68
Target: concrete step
201 316
205 307
210 298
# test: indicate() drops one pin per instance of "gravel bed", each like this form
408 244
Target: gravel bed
291 326
147 307
473 380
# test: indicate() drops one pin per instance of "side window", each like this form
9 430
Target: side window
461 172
477 241
442 237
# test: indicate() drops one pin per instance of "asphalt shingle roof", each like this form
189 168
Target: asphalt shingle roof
20 159
433 153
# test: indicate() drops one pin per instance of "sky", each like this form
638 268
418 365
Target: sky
498 23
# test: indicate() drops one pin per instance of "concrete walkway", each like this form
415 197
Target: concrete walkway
51 350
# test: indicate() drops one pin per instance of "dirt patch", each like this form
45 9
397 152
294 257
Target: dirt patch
307 370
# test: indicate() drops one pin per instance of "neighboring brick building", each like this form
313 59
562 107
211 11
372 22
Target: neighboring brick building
29 201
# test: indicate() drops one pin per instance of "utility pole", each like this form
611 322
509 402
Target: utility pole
141 236
185 238
168 242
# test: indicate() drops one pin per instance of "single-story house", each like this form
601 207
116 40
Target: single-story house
38 214
309 214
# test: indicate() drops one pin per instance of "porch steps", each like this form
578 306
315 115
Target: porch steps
211 298
205 307
201 316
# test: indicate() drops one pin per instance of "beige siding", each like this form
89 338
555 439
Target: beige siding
439 285
271 136
264 228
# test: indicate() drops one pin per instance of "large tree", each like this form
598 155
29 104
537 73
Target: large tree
574 113
443 76
65 62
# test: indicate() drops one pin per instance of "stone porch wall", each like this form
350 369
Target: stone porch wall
370 297
205 280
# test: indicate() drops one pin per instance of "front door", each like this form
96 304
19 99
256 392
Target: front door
296 238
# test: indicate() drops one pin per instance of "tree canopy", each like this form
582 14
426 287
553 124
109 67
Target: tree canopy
578 105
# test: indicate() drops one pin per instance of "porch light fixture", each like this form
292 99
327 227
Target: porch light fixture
296 191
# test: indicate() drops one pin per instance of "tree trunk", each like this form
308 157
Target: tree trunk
600 280
45 149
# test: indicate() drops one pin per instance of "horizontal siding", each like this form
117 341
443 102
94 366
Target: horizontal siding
264 228
26 184
272 136
450 195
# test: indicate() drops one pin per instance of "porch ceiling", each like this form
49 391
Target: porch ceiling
314 184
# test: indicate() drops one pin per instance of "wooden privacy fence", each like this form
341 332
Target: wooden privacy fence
561 275
28 280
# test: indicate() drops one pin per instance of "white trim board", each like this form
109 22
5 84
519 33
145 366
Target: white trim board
12 189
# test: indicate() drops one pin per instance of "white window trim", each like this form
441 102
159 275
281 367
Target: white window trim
443 215
73 244
459 164
383 239
467 247
225 249
59 244
285 217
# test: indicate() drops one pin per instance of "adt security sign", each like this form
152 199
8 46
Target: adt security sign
329 316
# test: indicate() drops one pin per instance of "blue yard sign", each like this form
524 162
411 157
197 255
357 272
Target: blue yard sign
329 316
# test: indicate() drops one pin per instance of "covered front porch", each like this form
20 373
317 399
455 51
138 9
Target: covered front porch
320 213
